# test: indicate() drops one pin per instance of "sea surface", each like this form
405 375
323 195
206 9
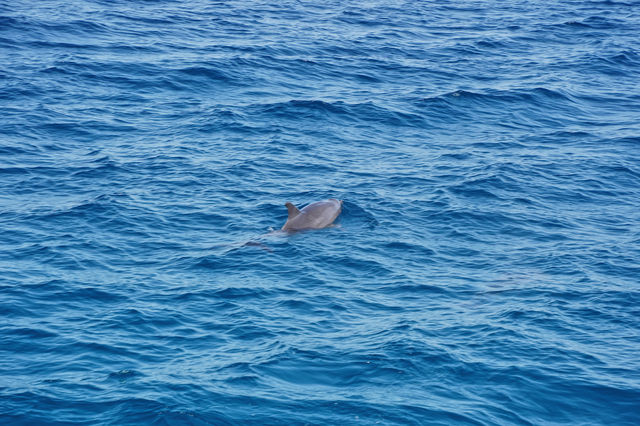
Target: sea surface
485 268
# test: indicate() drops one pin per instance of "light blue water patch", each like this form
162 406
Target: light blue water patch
485 266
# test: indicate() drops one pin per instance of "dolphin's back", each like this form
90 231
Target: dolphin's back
314 216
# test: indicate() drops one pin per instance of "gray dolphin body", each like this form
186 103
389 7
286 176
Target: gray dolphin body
314 216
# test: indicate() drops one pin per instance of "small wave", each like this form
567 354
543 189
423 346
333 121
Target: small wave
339 112
295 107
595 22
123 375
203 71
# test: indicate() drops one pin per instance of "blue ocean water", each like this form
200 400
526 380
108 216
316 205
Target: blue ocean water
486 266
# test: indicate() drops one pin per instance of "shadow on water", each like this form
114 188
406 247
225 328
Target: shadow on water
355 218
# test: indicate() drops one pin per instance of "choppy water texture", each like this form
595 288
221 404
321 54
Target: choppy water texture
486 267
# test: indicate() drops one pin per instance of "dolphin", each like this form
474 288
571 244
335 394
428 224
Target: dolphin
314 216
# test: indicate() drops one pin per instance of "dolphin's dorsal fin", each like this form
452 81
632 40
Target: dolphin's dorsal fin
293 210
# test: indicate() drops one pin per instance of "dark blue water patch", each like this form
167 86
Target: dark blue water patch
627 58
